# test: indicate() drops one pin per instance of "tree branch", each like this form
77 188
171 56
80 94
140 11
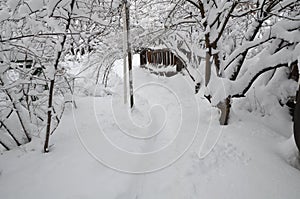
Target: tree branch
10 133
243 93
4 145
36 35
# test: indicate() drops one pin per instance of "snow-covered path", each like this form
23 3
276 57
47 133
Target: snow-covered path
152 158
155 134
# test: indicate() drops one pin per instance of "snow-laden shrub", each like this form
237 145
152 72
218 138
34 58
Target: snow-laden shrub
93 75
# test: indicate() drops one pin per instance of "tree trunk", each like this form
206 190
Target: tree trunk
207 68
52 81
49 116
224 107
297 120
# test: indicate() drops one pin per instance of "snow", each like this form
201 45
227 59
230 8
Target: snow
4 14
36 4
175 149
50 72
12 4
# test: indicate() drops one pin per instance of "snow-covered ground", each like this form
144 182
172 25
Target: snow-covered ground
169 146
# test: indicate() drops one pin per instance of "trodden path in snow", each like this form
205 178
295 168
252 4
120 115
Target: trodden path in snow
169 146
149 141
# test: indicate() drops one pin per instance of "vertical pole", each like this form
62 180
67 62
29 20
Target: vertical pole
297 116
124 53
129 54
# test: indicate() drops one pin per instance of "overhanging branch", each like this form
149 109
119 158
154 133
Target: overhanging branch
254 78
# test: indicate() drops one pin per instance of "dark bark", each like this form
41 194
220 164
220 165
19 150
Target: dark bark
224 107
242 94
49 116
242 53
36 35
207 68
52 81
10 133
294 72
264 16
241 59
18 114
197 87
214 44
297 120
4 145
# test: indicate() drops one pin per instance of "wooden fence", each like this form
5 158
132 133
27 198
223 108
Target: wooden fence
160 57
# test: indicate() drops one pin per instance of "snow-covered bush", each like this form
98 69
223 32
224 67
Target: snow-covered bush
44 32
240 43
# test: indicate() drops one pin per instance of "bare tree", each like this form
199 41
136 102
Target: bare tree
34 41
251 27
